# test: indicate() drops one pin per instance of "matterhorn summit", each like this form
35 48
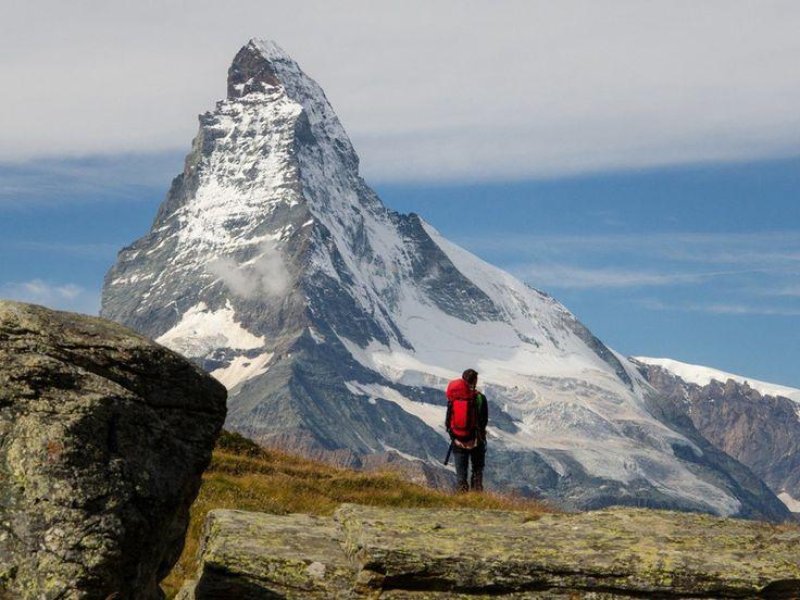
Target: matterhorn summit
336 323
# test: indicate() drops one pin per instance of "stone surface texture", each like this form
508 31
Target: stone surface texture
104 436
367 552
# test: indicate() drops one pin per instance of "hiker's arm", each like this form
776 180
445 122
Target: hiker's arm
447 420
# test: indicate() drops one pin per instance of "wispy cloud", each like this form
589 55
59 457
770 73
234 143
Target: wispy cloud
62 296
266 275
792 291
734 309
762 251
571 277
759 261
89 178
717 247
99 251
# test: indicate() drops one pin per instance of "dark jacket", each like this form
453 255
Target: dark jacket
483 416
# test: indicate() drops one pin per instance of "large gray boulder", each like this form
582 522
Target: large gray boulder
104 436
428 554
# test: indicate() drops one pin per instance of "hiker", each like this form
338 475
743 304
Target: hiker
467 416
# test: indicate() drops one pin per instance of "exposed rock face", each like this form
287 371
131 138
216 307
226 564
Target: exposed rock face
760 431
365 552
104 436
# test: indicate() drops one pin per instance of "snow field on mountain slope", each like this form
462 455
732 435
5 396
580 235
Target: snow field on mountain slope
200 331
792 504
702 376
445 345
385 286
563 396
246 189
609 457
241 369
430 414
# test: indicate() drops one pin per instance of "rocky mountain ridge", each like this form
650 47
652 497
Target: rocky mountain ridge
335 322
760 430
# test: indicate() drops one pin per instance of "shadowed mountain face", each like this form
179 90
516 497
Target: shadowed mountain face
336 323
759 430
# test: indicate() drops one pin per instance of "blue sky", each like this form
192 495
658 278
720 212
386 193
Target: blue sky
637 160
700 264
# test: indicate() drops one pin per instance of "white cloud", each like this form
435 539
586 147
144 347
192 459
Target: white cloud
749 266
725 247
60 296
266 275
573 277
92 251
718 308
48 181
428 90
789 291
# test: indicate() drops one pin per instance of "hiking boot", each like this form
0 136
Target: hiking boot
476 482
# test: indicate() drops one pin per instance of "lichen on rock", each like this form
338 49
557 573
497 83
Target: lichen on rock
104 436
370 552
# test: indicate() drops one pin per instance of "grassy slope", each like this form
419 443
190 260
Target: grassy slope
243 475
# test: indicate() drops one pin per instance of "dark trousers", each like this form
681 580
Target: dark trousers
462 458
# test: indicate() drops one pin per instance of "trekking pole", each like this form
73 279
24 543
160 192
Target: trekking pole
449 451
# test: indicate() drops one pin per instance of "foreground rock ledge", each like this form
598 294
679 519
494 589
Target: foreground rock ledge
104 436
365 552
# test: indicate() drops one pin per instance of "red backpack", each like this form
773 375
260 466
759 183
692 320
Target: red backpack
463 410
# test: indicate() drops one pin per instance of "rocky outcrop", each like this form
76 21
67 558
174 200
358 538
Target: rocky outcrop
367 552
758 430
104 436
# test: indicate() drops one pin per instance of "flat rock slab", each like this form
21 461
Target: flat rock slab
296 556
415 554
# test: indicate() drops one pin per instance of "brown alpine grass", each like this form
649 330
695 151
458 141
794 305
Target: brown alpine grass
244 476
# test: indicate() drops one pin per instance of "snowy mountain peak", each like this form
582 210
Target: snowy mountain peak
259 65
336 322
263 77
269 49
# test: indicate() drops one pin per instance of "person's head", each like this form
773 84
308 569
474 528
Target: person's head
471 377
